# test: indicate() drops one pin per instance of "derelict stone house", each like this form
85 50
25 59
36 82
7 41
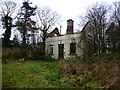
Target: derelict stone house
64 46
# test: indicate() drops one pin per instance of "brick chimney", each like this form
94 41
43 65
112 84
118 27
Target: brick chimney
70 26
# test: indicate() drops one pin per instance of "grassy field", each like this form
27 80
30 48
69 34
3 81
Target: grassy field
59 74
30 74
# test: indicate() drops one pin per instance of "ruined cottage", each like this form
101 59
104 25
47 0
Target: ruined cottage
64 46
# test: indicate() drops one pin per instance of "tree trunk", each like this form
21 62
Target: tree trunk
44 39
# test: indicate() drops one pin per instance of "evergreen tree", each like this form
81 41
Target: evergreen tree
6 12
23 21
7 24
113 38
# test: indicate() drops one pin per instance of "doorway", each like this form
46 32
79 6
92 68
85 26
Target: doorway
61 50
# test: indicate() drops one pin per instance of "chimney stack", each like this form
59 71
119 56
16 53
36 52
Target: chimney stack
70 26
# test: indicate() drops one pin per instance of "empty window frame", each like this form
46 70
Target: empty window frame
72 48
50 49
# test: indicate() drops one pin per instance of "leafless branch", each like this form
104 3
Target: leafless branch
7 8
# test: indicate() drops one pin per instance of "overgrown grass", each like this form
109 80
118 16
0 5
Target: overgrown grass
30 74
90 74
61 74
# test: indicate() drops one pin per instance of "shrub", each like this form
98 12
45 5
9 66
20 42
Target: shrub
14 53
39 54
111 56
27 53
36 54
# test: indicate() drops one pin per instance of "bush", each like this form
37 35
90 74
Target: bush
14 53
36 54
27 53
111 56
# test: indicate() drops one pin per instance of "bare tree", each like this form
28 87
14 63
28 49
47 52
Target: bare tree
97 18
47 18
7 8
116 13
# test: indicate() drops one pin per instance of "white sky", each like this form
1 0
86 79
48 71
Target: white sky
68 9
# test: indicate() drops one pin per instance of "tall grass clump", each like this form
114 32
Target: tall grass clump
90 73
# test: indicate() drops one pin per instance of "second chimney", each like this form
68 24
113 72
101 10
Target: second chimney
70 26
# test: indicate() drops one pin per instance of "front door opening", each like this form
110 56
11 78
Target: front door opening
61 50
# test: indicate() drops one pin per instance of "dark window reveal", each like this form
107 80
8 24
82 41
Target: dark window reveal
50 49
72 48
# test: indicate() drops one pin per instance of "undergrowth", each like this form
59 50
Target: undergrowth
90 74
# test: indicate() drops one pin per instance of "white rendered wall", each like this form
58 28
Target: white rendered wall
66 40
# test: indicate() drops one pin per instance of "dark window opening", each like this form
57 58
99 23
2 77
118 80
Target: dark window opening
50 49
72 48
61 50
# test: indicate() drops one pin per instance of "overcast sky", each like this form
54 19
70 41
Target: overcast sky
68 9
